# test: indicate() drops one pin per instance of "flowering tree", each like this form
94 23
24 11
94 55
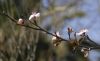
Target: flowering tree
81 43
74 44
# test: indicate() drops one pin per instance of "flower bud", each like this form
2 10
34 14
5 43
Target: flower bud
70 29
20 21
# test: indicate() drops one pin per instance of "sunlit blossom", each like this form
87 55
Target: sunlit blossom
82 32
54 37
34 16
56 40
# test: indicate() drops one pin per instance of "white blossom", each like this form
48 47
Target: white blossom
86 54
57 33
34 16
54 37
82 31
37 15
85 51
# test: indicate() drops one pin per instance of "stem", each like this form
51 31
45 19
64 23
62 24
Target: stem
75 36
52 34
91 40
4 14
97 47
39 28
69 35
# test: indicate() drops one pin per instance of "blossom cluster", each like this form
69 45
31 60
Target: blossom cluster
34 16
76 43
56 37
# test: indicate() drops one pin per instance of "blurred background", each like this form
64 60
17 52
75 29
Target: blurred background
23 44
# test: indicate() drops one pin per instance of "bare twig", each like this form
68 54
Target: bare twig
91 40
4 14
97 47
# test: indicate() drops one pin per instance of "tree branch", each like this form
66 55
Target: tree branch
39 28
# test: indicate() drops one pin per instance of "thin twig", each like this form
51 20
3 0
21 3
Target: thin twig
39 28
51 33
69 35
4 14
97 47
91 40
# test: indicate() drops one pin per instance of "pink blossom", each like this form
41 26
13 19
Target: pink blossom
20 21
